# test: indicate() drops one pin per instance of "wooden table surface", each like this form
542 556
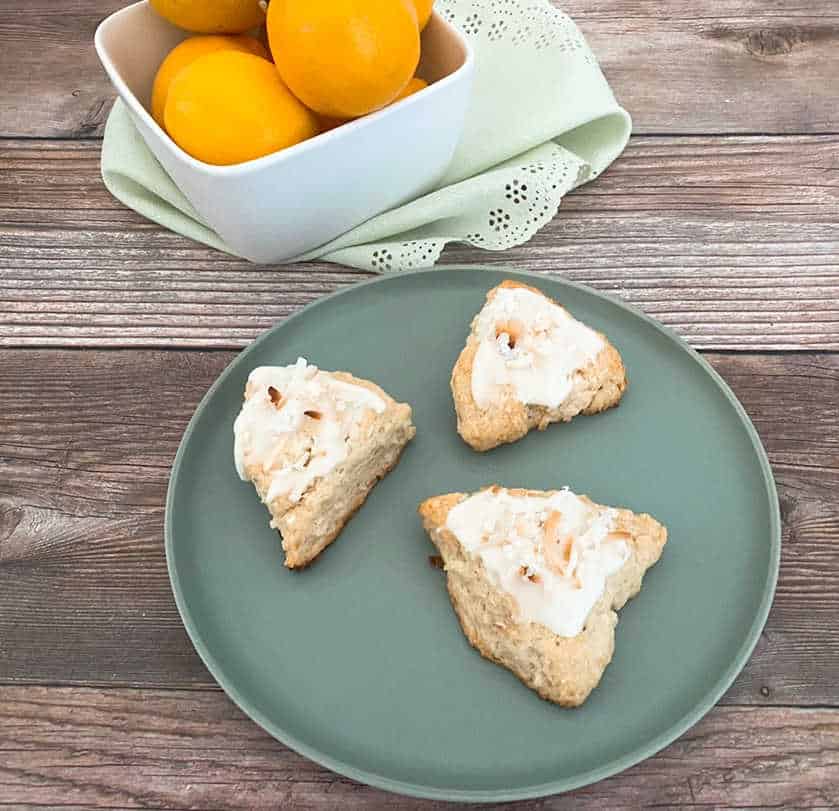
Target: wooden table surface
721 220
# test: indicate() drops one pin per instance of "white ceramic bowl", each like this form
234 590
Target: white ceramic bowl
285 204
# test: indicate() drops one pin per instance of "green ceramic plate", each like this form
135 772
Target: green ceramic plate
359 663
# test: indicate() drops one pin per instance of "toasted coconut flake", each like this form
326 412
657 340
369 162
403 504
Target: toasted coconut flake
551 526
617 535
275 396
513 329
558 550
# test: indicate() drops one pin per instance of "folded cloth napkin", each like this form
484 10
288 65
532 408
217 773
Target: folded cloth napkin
542 120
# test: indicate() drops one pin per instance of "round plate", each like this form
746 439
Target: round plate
359 663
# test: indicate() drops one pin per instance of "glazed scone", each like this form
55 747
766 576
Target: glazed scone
536 577
528 363
314 444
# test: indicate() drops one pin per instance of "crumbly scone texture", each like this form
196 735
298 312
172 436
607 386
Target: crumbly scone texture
308 526
560 669
597 387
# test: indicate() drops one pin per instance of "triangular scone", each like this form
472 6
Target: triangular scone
314 444
536 577
528 363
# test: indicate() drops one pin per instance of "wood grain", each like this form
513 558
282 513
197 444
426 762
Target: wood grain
724 66
727 66
86 441
94 749
731 241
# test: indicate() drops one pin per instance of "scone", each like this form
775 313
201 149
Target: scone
314 444
536 578
528 363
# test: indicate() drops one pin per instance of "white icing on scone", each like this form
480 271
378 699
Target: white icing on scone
528 342
552 554
295 425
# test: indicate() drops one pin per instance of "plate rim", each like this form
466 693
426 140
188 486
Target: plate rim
559 786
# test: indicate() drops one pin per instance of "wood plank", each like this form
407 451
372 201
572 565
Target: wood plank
87 748
728 66
732 242
724 66
86 440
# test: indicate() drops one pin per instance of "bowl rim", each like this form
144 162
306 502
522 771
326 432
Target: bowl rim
288 153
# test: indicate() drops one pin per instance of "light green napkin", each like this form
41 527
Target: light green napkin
542 120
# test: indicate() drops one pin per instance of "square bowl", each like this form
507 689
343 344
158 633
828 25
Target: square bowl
292 201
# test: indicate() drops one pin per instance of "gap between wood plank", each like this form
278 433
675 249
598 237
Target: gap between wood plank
635 134
215 688
221 350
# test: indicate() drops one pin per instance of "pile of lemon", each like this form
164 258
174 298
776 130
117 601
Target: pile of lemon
224 98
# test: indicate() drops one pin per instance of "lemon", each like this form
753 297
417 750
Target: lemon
211 16
186 53
344 58
229 107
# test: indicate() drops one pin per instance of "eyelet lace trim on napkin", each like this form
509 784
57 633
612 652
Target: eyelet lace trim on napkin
520 22
522 195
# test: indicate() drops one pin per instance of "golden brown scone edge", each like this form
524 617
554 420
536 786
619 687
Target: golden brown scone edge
563 670
308 526
599 387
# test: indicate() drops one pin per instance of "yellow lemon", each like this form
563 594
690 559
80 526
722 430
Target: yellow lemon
414 86
344 58
229 107
211 16
423 8
186 53
326 123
